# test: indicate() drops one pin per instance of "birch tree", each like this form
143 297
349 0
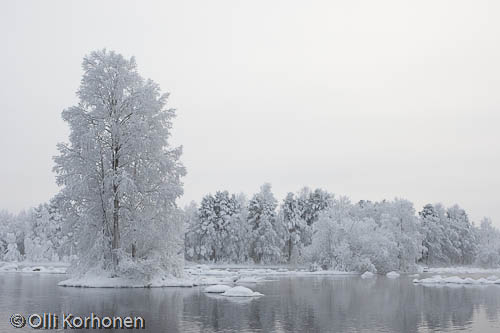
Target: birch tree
119 175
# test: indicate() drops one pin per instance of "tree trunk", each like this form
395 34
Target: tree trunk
116 206
116 231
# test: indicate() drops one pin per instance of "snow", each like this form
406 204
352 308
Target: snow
392 275
250 279
218 288
241 291
463 270
97 281
438 279
367 275
34 267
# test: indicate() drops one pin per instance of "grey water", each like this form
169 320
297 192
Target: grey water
290 304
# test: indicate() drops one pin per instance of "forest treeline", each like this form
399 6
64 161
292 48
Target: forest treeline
310 227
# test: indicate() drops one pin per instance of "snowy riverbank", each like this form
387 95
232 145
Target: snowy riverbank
198 275
205 275
34 267
463 270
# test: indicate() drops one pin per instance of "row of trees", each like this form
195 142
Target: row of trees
311 226
230 228
314 226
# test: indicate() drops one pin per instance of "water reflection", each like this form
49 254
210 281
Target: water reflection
309 304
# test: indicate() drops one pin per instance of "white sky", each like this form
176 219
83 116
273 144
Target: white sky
370 99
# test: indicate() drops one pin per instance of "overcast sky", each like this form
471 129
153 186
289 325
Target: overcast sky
369 99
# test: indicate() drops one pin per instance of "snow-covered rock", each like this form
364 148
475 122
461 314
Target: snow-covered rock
367 275
392 275
241 291
218 288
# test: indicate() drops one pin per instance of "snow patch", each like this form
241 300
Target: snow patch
367 275
250 279
463 270
241 291
392 275
34 267
95 281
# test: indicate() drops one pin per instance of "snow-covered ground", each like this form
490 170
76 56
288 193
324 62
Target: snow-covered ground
34 267
196 275
463 270
234 275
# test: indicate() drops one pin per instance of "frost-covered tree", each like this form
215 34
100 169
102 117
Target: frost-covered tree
488 252
12 232
312 203
217 215
346 241
119 175
399 217
296 226
237 244
191 237
5 222
437 245
44 237
267 239
463 235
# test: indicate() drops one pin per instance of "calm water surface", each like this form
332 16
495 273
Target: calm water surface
290 304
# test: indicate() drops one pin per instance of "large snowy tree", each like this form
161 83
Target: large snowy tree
119 175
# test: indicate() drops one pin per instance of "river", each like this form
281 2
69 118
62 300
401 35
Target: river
290 304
